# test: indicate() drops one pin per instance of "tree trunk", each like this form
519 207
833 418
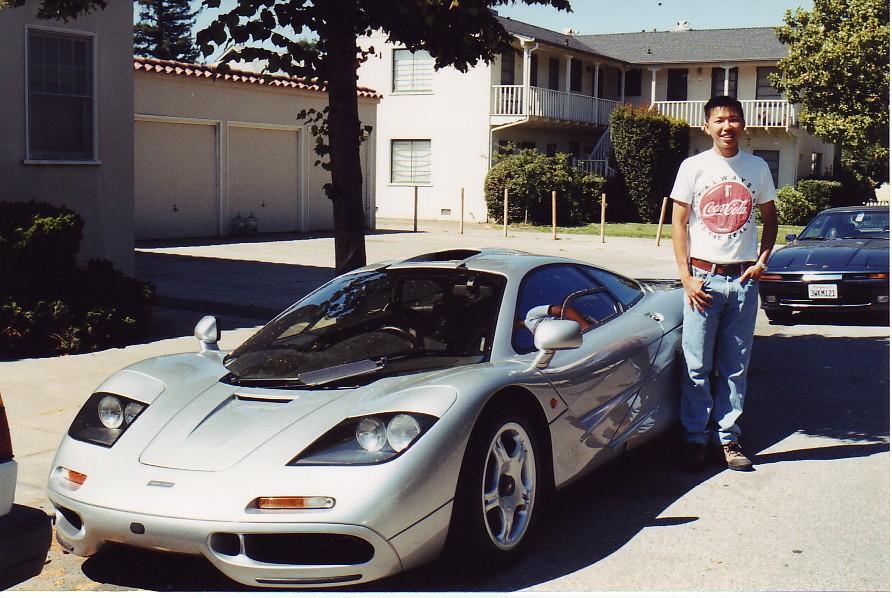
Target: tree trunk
343 135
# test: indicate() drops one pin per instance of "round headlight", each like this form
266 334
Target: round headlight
111 412
402 430
371 434
131 411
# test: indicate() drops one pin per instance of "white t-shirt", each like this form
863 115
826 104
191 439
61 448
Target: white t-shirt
723 193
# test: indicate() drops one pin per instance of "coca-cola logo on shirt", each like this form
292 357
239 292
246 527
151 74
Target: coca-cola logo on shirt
726 207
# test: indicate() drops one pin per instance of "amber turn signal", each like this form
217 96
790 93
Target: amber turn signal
75 477
294 502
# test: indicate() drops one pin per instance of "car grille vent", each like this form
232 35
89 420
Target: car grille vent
307 549
265 398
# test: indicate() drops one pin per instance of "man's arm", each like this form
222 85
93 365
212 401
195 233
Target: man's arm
693 286
768 212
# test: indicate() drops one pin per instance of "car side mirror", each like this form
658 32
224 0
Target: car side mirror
208 333
554 335
790 238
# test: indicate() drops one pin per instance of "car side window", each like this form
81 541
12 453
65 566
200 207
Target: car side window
626 290
562 286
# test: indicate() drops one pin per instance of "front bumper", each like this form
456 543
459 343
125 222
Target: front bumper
83 529
791 294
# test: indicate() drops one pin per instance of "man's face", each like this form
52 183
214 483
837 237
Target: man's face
724 126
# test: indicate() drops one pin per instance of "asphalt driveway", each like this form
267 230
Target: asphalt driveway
814 515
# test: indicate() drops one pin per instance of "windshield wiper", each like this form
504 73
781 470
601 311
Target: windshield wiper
814 238
339 372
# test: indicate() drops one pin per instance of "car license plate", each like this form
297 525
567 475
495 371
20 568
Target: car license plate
822 291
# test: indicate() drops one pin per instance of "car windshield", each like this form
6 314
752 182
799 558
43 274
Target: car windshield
860 224
375 323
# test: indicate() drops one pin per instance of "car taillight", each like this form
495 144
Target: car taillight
771 277
5 438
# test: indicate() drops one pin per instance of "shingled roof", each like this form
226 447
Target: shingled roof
208 71
547 36
705 45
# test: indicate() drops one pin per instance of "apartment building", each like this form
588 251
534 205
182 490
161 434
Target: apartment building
438 131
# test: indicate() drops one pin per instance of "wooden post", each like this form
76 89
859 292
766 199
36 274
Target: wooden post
662 216
603 214
505 213
554 215
415 213
461 215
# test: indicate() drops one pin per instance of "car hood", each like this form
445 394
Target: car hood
832 255
211 426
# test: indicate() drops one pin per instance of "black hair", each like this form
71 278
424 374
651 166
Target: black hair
723 102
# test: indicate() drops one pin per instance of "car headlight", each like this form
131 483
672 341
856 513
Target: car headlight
366 440
103 418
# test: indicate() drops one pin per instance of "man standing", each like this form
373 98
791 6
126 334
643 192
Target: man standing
714 239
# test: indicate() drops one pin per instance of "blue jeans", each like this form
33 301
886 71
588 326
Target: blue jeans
717 345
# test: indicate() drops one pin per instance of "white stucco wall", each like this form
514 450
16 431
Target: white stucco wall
101 192
261 149
454 116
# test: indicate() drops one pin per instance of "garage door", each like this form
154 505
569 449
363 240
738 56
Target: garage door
264 178
175 175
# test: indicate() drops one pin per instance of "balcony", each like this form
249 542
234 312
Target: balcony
508 104
757 113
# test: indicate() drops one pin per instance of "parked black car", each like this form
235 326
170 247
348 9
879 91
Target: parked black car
839 262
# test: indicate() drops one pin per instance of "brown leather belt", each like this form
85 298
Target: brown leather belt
735 269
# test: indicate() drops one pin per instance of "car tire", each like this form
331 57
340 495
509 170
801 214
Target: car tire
500 492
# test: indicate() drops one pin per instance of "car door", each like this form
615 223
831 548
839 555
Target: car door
599 380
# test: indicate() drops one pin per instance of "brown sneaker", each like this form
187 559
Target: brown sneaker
735 458
693 456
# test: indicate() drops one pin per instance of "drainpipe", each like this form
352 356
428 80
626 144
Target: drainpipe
524 120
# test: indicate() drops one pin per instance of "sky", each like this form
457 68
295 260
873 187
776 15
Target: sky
612 16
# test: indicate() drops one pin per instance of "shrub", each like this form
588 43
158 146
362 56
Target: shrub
798 205
793 206
530 178
50 305
648 148
821 193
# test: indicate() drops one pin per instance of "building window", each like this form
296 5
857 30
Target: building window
718 82
817 164
508 68
412 71
677 85
772 157
554 67
764 89
60 96
601 78
575 75
410 161
574 149
534 70
550 149
633 82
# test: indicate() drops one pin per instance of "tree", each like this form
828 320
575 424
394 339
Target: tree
59 9
838 69
457 33
164 30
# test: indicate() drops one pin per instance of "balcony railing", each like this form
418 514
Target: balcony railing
757 113
508 100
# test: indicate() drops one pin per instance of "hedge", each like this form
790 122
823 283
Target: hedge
798 205
648 148
48 304
530 178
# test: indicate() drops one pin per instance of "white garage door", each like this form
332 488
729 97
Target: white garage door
264 177
175 180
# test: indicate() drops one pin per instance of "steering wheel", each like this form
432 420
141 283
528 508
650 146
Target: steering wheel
409 335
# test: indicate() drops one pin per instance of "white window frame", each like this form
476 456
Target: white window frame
412 91
94 160
413 181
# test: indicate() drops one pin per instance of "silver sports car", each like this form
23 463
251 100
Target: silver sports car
400 410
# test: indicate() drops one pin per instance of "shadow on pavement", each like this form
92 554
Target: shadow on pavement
255 238
797 385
